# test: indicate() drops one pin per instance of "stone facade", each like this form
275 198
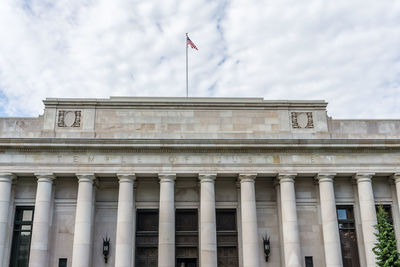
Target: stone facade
87 165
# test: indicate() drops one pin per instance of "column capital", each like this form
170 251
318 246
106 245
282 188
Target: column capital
396 177
86 177
207 177
363 176
167 177
325 177
126 177
286 177
7 177
47 177
247 177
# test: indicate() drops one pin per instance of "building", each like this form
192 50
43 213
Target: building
194 182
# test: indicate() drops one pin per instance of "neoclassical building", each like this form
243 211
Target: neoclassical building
193 182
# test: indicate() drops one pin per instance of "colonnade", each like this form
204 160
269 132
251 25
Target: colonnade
251 244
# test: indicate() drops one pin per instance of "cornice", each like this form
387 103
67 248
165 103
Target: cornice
182 103
201 145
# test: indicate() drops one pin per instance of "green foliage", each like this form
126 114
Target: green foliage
385 249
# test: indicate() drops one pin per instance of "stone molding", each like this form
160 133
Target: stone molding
7 177
363 177
183 103
214 149
126 178
396 177
167 177
247 177
45 177
210 178
286 177
25 144
86 177
325 177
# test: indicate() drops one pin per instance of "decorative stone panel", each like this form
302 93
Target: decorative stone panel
69 118
302 120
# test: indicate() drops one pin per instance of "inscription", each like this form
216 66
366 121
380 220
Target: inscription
224 160
172 159
90 159
163 159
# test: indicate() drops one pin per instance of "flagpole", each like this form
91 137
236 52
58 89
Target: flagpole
187 75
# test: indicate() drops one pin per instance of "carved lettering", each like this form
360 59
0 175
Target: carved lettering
172 159
90 159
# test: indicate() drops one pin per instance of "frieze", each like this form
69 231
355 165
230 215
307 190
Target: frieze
195 159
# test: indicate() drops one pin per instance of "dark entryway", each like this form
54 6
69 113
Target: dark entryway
348 236
186 237
186 262
227 238
21 242
146 238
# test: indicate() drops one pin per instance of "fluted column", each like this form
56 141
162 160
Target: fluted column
330 228
125 231
290 228
41 221
368 214
5 195
208 225
166 232
251 248
82 247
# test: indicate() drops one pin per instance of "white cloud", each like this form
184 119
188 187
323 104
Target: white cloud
346 52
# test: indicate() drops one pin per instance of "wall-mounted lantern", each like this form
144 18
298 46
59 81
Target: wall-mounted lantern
106 248
267 247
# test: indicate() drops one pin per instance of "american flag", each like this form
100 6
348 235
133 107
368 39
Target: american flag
192 45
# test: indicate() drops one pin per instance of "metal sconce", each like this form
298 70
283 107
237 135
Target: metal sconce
106 248
267 247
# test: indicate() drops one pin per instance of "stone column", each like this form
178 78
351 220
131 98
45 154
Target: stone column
396 178
251 242
290 228
166 232
41 221
5 195
82 247
125 229
368 214
208 225
330 228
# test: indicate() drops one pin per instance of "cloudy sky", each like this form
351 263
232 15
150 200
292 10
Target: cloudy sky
346 52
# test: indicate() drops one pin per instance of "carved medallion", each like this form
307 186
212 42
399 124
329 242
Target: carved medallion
302 120
69 118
